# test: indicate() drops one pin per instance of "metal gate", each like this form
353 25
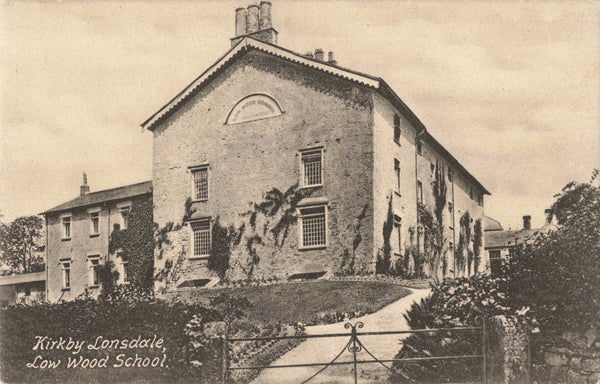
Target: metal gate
354 345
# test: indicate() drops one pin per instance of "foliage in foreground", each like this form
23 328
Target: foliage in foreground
453 303
557 274
121 316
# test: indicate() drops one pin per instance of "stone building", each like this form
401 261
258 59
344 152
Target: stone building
500 244
279 164
25 288
78 236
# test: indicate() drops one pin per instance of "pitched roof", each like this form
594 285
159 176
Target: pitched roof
490 224
23 278
248 43
94 198
507 238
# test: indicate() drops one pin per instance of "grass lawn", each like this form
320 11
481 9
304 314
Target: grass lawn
303 301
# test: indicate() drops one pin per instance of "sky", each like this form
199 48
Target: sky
511 89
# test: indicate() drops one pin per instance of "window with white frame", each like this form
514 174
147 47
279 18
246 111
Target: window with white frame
66 227
397 129
201 237
125 210
397 172
199 182
124 272
313 226
94 223
495 262
66 274
398 226
312 167
93 270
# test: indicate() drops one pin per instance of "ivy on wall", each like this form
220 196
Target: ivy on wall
135 245
463 245
383 263
477 242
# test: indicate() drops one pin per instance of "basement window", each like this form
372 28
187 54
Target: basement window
306 276
195 283
313 227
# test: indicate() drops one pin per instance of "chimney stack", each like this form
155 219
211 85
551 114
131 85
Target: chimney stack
84 188
252 25
331 60
527 222
264 21
254 21
319 54
549 215
241 15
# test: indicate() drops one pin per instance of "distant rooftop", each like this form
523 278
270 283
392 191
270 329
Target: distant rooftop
95 198
23 278
490 224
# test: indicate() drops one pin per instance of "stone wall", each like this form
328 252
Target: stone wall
248 159
573 357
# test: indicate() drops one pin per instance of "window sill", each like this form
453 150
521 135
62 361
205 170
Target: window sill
199 200
94 235
311 186
312 248
93 286
65 289
65 239
397 193
201 257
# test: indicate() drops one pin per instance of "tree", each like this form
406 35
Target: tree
21 244
556 274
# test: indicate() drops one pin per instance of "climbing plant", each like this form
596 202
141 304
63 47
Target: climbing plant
477 242
135 244
384 254
439 193
430 251
463 244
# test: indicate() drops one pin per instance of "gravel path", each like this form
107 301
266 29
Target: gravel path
389 318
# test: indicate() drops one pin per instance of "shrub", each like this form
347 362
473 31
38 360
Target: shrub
556 275
117 317
453 303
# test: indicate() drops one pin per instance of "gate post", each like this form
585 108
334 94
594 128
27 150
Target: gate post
225 356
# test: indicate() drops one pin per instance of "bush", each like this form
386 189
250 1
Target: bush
453 303
119 317
557 274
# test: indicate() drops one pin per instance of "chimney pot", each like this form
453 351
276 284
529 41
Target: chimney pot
264 21
331 59
549 215
241 15
319 55
252 25
309 54
84 188
527 222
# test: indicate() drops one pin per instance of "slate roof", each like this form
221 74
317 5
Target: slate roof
490 224
23 278
248 43
504 239
94 198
